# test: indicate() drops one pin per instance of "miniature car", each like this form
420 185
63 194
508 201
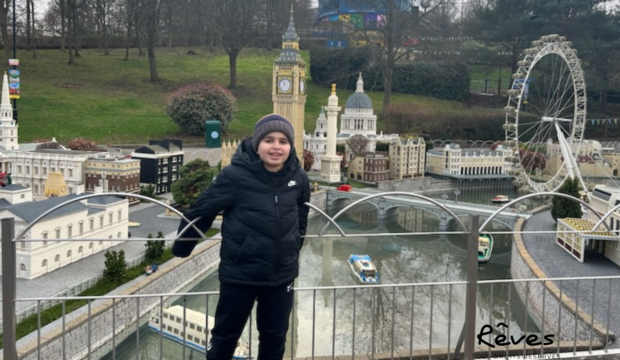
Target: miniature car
344 187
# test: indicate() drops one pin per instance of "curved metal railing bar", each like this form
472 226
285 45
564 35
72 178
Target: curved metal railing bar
391 193
527 196
89 196
332 221
602 219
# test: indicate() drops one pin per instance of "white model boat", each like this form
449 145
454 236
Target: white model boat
364 269
194 333
485 247
500 199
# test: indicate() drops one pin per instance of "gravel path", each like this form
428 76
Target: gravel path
556 263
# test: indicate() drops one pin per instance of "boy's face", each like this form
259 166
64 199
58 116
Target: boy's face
274 149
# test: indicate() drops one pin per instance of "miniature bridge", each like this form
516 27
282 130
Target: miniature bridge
385 203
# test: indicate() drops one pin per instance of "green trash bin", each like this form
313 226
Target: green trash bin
213 137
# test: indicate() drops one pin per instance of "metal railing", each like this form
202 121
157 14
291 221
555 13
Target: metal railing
381 321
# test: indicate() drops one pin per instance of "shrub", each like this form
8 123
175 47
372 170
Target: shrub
308 159
444 123
148 190
81 144
194 177
191 105
154 249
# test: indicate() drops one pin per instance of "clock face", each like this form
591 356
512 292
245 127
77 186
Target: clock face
302 86
284 85
215 135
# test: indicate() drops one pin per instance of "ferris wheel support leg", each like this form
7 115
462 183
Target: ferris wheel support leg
571 164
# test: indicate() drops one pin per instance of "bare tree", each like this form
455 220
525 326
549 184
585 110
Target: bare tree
131 23
397 20
30 27
150 11
236 22
4 27
357 145
102 10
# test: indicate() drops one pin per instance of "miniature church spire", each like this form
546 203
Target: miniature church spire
360 84
6 101
8 127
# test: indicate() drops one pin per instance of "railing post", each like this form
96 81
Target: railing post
472 287
9 350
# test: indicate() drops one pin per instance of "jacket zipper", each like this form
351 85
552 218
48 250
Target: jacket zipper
275 267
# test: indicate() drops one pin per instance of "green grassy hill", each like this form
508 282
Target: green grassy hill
110 100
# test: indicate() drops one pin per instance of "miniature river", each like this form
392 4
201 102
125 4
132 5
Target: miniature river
400 260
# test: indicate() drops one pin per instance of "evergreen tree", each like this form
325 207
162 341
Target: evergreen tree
194 177
115 265
567 208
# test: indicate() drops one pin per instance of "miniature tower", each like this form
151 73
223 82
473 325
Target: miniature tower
330 162
289 85
8 127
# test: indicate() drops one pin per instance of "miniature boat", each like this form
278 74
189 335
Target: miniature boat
500 199
485 247
363 268
195 332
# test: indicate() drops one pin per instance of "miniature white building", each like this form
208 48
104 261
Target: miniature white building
452 161
31 168
358 119
102 219
604 198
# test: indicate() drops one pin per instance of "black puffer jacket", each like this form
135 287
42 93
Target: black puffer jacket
262 221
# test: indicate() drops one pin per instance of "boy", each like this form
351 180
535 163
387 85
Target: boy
262 194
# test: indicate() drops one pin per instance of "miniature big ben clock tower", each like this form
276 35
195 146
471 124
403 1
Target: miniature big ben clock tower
289 85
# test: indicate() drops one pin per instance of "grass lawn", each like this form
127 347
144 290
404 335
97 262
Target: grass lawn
109 100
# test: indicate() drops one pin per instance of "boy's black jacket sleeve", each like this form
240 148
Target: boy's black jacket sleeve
215 198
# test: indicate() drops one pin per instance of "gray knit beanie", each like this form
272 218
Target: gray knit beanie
270 123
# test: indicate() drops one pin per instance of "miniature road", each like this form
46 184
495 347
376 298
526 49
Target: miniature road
557 263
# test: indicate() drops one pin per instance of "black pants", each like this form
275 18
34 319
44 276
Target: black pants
233 310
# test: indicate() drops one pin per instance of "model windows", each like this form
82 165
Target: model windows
57 258
110 217
44 263
92 223
81 227
90 245
69 253
22 267
57 233
120 214
101 221
80 249
69 230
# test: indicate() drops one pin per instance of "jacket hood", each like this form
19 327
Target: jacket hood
246 156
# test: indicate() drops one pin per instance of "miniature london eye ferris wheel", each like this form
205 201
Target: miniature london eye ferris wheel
546 115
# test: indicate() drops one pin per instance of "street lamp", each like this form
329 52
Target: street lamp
444 197
456 193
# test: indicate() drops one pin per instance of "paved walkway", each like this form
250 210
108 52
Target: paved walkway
556 263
